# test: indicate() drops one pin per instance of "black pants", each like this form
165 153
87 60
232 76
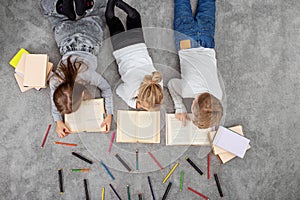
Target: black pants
121 38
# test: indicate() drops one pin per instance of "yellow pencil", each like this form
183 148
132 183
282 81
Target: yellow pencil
103 191
170 173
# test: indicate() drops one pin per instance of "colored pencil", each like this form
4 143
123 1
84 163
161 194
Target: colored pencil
128 192
123 162
46 135
140 196
167 191
181 180
198 193
154 159
170 173
61 187
111 141
66 144
194 166
218 185
151 189
208 166
107 170
103 193
87 197
137 159
115 191
82 158
81 170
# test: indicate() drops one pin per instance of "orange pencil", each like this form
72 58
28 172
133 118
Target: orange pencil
66 144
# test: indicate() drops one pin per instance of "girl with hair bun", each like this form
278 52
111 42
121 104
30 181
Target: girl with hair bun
142 85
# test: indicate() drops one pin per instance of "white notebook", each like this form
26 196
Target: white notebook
231 141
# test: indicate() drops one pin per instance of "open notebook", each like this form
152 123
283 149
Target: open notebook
138 126
177 134
87 118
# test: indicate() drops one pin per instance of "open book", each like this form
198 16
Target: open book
87 118
177 134
138 126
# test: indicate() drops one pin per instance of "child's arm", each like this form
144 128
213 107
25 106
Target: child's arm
174 87
61 129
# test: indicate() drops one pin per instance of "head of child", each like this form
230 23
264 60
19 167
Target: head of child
150 95
69 94
207 111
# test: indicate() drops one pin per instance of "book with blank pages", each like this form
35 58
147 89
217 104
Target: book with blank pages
87 118
35 70
177 134
224 155
231 141
138 126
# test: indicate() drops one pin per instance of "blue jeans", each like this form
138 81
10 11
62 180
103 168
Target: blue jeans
199 29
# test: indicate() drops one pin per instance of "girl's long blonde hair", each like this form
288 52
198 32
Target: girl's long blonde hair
68 95
150 94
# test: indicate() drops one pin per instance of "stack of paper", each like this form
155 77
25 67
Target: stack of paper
32 70
229 143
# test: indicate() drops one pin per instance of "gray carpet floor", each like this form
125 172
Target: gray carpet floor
257 46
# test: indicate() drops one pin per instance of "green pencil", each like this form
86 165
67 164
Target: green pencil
128 192
181 180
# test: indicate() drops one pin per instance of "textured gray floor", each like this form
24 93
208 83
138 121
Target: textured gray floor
258 47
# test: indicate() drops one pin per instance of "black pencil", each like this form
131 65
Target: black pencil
87 197
82 158
218 185
167 191
123 162
115 191
140 196
194 166
61 187
151 189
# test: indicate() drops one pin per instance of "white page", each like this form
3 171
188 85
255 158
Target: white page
148 126
177 133
231 141
127 130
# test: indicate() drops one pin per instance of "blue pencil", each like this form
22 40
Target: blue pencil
107 170
151 189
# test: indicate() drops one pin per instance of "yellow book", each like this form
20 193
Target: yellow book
138 126
15 60
177 134
87 118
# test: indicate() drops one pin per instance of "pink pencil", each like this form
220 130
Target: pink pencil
111 141
154 159
46 135
208 166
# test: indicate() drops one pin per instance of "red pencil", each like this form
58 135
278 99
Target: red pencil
196 192
66 144
111 141
46 135
154 159
208 165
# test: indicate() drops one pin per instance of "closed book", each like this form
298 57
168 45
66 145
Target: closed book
231 141
15 60
35 70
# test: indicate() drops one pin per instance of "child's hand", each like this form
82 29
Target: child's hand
107 123
61 129
182 117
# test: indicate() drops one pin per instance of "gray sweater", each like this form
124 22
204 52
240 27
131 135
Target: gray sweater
88 76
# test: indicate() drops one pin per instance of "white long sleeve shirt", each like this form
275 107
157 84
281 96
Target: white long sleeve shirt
198 75
134 63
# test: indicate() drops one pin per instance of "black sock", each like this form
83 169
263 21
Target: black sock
66 7
131 12
80 7
110 9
